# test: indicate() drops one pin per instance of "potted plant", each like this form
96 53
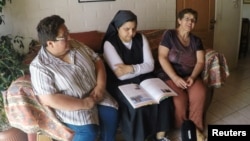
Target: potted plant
11 68
2 4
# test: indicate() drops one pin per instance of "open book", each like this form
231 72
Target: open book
150 91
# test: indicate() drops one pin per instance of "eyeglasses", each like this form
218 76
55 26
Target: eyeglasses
189 19
61 38
64 37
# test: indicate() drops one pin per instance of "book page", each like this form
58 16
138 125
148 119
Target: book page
158 89
136 95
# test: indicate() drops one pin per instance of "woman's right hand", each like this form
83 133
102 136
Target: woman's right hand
180 82
88 103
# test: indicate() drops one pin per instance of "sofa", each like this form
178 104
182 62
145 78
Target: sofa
92 39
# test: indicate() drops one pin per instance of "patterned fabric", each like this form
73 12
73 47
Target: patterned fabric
216 69
25 112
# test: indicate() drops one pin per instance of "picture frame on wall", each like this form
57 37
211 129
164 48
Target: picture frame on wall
246 1
81 1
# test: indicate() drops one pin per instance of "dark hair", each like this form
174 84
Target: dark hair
187 10
48 27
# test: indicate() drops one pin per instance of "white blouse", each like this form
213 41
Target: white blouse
112 58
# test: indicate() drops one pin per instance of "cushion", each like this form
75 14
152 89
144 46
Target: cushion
154 38
93 39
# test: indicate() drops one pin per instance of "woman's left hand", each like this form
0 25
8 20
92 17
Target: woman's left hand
97 94
122 69
190 81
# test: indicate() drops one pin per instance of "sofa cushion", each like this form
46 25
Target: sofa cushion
154 38
93 39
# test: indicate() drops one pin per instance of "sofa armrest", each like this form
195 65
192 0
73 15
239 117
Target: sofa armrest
25 111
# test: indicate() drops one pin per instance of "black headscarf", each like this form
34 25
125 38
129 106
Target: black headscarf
119 19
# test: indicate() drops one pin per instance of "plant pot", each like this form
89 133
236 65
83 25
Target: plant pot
13 134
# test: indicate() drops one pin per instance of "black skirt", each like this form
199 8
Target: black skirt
141 123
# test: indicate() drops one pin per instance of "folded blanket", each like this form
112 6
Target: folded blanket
216 69
25 112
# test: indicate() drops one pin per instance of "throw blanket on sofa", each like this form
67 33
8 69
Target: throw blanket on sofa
25 112
216 69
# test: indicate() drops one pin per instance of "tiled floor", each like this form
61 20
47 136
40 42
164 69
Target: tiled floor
231 102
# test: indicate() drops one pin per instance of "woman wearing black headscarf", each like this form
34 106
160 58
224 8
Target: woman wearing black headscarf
129 60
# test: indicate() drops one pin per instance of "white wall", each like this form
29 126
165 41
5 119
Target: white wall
246 11
22 16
